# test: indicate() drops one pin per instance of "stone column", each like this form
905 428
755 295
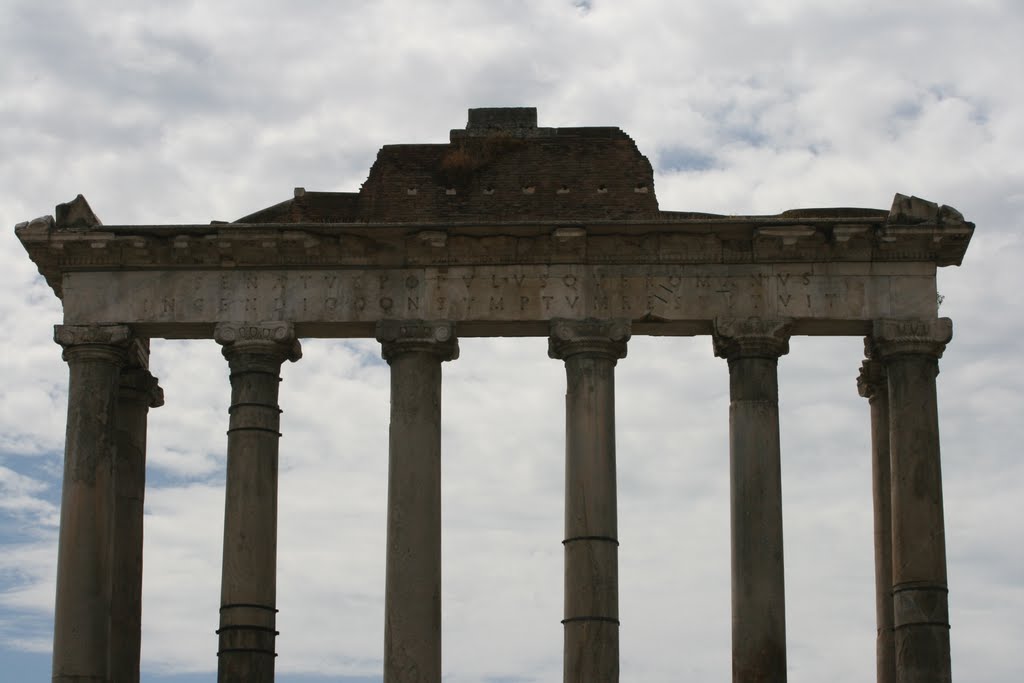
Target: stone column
752 347
910 351
412 591
138 392
590 349
255 352
81 630
872 385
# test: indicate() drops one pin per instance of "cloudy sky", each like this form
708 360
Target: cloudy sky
183 112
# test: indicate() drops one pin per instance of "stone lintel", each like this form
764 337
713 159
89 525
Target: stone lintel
751 338
606 338
425 336
508 299
918 337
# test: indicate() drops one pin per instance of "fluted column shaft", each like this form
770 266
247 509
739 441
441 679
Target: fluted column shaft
81 632
753 347
910 351
138 392
872 384
412 592
248 609
590 349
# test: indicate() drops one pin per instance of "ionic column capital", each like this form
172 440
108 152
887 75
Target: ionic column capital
139 384
110 343
425 336
260 346
871 381
601 338
751 338
891 338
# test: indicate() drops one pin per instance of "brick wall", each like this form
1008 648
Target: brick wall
566 174
500 168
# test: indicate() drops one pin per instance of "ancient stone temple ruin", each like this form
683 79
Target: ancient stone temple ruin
508 229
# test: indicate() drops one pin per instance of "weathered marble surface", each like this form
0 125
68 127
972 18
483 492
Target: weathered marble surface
81 630
825 298
248 598
873 385
590 349
412 584
910 352
752 348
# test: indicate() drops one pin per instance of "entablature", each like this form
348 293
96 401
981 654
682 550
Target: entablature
940 238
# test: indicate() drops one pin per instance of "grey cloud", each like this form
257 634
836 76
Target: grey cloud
166 113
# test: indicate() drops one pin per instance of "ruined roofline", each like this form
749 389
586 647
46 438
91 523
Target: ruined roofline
77 218
522 122
504 178
272 215
913 231
690 220
563 193
503 169
268 215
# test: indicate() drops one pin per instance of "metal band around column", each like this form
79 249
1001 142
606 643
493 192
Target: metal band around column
910 351
247 630
590 350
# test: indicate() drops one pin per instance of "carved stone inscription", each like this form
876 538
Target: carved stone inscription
500 293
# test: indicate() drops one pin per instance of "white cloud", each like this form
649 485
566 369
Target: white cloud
187 112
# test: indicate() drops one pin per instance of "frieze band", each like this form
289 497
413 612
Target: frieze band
348 303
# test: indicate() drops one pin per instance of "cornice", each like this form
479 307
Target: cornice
701 240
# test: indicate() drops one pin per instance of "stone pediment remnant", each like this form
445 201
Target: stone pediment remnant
76 215
914 210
